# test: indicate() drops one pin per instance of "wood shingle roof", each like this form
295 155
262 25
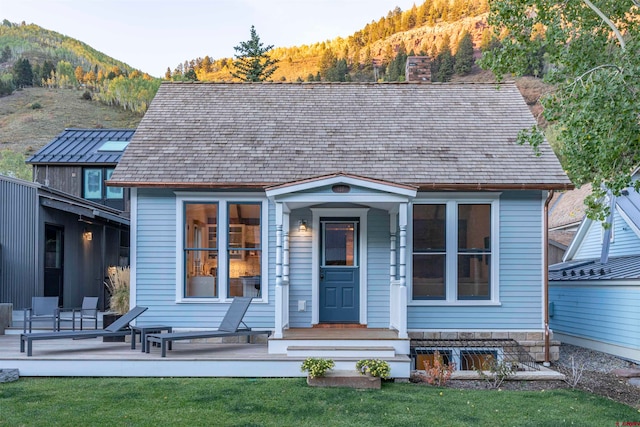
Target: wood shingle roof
433 136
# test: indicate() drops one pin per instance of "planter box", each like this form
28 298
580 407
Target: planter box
351 379
108 319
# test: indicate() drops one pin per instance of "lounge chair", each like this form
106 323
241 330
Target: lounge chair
230 326
117 329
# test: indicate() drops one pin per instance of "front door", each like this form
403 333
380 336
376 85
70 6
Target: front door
53 262
339 271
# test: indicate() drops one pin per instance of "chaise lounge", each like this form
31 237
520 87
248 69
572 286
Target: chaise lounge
230 326
118 328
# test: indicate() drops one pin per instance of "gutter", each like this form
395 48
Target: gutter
545 250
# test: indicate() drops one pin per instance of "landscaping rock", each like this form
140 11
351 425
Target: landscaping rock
627 373
8 375
351 379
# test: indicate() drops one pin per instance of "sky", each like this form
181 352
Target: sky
151 35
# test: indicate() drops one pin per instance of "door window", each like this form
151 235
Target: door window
339 244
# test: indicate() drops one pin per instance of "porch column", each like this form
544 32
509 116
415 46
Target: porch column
393 230
279 309
403 218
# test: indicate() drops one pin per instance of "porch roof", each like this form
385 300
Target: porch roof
256 135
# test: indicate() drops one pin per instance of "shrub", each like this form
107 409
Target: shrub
439 373
498 371
316 367
36 106
118 285
374 367
86 95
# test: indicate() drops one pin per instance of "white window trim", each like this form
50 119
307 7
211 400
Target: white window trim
223 200
451 287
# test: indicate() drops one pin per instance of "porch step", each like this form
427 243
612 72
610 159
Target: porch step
359 352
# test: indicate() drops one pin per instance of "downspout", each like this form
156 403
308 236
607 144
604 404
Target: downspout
545 250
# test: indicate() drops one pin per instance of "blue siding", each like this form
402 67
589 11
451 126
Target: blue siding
156 270
300 245
625 241
520 284
603 312
378 269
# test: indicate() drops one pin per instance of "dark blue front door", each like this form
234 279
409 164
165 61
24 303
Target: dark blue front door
339 272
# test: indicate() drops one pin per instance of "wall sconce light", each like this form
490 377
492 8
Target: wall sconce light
302 225
87 235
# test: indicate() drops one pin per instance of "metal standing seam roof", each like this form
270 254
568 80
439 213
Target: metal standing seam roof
81 146
433 136
616 268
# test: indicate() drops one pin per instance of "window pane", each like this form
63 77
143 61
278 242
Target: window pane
201 249
243 250
474 228
92 184
473 276
339 244
429 228
429 276
113 192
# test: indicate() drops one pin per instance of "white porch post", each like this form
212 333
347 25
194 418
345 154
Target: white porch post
402 285
279 321
393 230
285 270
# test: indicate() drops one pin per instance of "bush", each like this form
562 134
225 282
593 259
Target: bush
317 367
498 371
374 367
36 106
118 285
439 373
86 95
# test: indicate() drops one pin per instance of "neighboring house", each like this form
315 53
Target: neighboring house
54 244
595 292
418 69
405 208
68 204
566 211
79 161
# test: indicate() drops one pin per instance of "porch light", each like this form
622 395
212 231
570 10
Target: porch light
302 225
87 235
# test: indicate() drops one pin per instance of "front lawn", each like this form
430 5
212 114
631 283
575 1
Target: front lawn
290 402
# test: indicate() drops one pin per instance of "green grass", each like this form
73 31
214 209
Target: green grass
290 402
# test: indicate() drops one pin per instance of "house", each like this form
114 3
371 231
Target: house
79 161
54 244
61 233
402 210
566 211
595 292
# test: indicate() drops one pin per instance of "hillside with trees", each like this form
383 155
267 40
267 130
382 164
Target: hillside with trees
376 53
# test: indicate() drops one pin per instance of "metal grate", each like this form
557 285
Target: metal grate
472 354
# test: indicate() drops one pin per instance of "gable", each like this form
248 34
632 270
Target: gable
431 136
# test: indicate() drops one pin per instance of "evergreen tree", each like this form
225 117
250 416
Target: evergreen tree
464 55
252 63
442 65
191 75
6 54
47 68
22 73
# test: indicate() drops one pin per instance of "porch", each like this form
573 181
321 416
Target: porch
204 358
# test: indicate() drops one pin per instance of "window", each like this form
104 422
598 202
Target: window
453 250
94 188
222 249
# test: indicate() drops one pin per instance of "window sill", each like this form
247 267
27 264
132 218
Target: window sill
422 303
195 300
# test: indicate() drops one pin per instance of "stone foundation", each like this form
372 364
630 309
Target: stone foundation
8 375
532 342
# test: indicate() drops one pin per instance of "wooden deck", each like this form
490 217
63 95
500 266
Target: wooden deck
217 358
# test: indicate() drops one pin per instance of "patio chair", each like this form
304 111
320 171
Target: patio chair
230 326
42 308
118 328
89 311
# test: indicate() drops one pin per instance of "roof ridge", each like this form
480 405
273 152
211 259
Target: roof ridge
418 83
